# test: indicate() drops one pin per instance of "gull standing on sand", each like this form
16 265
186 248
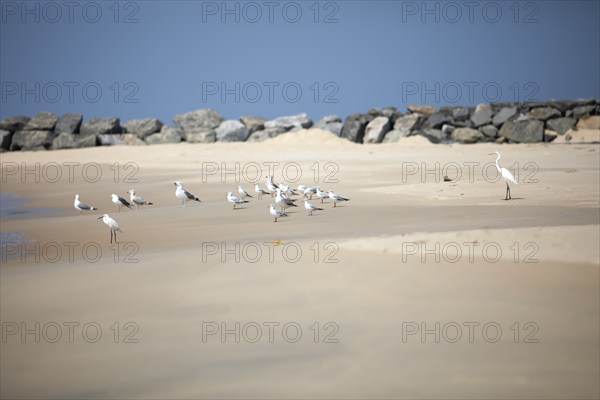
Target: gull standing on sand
137 200
270 185
118 200
309 207
506 175
183 194
243 193
283 201
112 225
336 198
235 200
322 195
259 191
276 213
82 206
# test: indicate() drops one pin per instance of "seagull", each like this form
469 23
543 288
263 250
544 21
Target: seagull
283 202
322 195
183 194
243 193
118 200
506 175
270 185
139 201
112 225
308 191
336 198
82 206
310 208
287 190
235 200
258 190
276 213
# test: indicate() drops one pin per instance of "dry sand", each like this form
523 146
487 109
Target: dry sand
408 251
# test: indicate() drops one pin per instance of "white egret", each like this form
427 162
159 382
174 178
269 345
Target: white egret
506 175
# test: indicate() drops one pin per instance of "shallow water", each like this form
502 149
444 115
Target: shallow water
13 207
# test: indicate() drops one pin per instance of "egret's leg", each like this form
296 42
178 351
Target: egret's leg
115 236
507 191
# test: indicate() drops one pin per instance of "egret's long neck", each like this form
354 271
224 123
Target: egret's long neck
498 162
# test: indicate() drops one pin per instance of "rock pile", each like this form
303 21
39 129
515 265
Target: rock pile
525 122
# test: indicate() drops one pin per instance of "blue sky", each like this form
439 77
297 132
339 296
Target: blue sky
142 59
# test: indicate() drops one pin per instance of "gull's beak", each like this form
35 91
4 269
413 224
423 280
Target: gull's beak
490 154
101 217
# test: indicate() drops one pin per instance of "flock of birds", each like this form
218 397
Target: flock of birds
281 193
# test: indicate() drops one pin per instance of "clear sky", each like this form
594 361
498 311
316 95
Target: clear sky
142 59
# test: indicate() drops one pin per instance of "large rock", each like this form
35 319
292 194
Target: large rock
466 135
68 123
407 123
5 139
391 113
544 113
354 127
503 115
395 136
482 115
436 120
232 130
110 139
167 134
489 131
67 140
199 126
433 135
523 131
376 130
131 139
13 124
31 140
561 125
582 111
265 134
101 126
44 121
253 123
333 127
425 111
328 119
290 121
460 113
592 122
143 127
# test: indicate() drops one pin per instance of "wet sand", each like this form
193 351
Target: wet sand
406 252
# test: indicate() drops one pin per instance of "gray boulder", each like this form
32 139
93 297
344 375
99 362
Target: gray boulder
436 120
433 135
503 115
110 139
391 113
290 121
394 136
460 113
333 127
199 126
354 127
466 135
448 129
523 131
482 115
13 124
143 127
489 131
232 130
253 123
328 119
376 130
561 125
100 126
31 140
265 134
131 139
464 124
582 111
544 113
68 123
425 111
167 134
5 139
67 140
43 121
407 123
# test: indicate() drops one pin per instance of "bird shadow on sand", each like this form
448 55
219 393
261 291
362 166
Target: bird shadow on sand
514 198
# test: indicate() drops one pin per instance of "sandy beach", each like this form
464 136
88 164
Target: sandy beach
415 288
